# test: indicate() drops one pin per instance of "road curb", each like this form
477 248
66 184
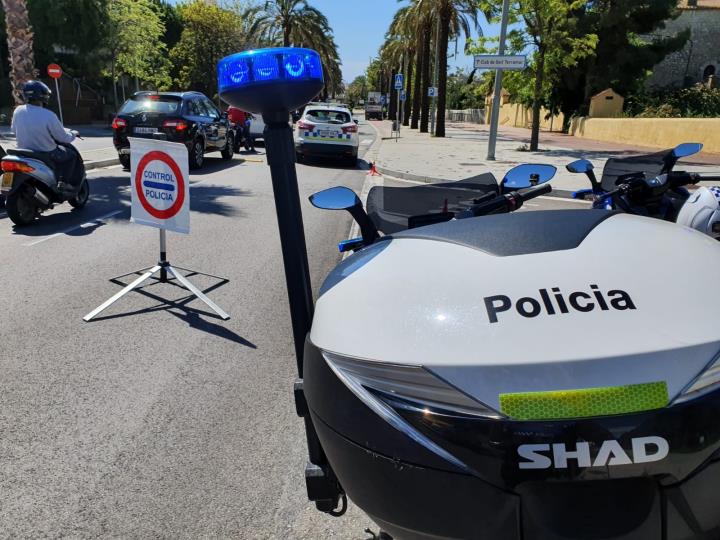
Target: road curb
90 165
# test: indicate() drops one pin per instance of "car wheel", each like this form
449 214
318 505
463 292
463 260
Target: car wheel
81 199
21 208
125 161
197 154
229 150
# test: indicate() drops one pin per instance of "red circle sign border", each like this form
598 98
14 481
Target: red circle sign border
168 213
52 71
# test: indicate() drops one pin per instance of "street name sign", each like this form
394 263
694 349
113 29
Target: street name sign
160 184
500 61
399 81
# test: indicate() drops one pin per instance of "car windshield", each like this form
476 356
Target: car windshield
328 117
152 104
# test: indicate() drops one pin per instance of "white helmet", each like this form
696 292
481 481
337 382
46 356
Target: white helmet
702 211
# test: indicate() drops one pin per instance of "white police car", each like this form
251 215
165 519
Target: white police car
327 130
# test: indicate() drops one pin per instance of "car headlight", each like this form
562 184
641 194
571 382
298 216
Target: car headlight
708 380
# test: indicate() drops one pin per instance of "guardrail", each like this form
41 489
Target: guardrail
475 116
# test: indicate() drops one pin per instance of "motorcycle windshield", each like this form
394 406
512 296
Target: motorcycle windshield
390 208
650 164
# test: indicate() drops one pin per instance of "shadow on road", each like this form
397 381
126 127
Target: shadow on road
179 307
111 194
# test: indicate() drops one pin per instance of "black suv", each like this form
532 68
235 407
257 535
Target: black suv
186 117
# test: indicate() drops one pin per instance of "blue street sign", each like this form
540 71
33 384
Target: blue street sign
399 81
383 99
403 96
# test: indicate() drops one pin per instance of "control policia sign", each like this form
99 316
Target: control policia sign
160 185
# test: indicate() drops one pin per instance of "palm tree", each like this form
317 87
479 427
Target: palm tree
456 17
402 30
20 45
295 23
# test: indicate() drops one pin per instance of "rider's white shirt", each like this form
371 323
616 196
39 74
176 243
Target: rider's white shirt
39 129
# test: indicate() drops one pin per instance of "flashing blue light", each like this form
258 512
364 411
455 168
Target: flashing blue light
262 80
283 64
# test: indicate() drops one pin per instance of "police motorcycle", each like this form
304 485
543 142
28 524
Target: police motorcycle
30 186
446 383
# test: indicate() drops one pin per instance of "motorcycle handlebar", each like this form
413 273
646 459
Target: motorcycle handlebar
511 201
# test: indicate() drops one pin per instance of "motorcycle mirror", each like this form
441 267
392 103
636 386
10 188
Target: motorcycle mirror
686 149
582 166
335 198
527 175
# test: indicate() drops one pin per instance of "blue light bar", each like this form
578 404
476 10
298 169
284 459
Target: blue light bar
264 79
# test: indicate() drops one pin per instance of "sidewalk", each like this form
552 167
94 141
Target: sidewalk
461 154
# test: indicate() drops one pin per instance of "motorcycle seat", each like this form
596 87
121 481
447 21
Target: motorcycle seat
40 156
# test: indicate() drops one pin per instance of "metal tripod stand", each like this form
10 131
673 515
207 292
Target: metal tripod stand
163 266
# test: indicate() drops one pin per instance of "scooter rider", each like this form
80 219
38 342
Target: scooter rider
39 129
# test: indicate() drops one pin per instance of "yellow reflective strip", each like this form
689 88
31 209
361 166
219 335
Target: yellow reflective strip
583 403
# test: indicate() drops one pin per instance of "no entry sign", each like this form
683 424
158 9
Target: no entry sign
160 184
54 71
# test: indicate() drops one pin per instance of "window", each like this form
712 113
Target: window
709 72
192 108
212 111
328 117
152 104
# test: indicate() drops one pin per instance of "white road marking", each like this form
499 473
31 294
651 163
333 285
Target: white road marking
81 226
366 142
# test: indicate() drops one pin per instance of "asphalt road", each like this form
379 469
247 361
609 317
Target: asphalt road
159 420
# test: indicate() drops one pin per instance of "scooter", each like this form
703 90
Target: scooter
447 385
469 406
30 186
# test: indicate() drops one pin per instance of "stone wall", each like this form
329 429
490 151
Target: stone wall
653 132
701 51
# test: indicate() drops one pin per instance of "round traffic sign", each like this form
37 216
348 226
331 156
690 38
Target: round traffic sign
54 71
159 185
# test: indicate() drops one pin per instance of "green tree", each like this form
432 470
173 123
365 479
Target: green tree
627 49
209 33
134 43
295 23
68 32
357 90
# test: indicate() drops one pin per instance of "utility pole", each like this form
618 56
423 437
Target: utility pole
436 75
494 119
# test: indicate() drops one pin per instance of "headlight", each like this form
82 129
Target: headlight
407 382
708 380
410 383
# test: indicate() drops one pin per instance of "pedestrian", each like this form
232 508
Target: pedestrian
238 118
249 141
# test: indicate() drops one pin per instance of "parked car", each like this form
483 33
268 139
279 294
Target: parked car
327 130
186 117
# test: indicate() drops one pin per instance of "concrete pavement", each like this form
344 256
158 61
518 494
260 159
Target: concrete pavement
460 155
159 420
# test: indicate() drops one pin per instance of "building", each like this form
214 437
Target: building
701 56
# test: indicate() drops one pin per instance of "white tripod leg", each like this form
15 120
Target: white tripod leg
197 292
147 275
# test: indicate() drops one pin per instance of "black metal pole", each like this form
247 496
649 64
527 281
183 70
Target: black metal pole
163 262
280 150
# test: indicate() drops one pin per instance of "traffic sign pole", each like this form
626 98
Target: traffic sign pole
55 71
160 198
57 91
492 139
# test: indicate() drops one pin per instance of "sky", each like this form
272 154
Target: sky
359 27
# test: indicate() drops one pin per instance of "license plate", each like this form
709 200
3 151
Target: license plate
145 130
328 133
7 179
